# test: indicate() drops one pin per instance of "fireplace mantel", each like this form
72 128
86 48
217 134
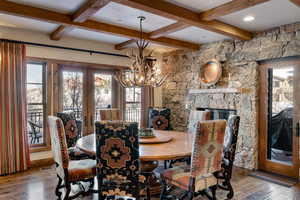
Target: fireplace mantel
220 91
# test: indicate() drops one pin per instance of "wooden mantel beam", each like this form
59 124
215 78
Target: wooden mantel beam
180 14
296 2
228 8
16 9
82 14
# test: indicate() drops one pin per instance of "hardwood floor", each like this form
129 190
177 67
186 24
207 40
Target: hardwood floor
39 184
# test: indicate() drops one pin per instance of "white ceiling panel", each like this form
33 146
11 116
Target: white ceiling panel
25 23
267 15
125 16
198 5
64 6
90 35
197 35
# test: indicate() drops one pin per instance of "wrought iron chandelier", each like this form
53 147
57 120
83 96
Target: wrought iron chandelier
144 70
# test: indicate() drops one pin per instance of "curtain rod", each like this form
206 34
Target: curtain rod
65 48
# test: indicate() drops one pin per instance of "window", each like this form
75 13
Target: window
133 104
35 90
102 92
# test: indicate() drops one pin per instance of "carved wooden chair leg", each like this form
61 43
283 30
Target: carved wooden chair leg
68 191
190 195
231 192
57 192
164 189
213 190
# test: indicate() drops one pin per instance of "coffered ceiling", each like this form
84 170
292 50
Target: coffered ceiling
169 23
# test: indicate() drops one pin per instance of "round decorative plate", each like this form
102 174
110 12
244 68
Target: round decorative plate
210 73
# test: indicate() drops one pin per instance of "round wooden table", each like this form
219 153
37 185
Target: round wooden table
179 147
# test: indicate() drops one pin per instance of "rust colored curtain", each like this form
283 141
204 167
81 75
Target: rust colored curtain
147 101
14 150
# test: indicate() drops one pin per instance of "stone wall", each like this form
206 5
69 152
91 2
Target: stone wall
240 63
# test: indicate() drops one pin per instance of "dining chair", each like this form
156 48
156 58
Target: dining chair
230 142
206 160
118 164
159 118
196 116
72 135
111 114
68 171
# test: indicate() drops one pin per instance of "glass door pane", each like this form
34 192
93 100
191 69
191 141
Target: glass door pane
72 96
281 114
102 93
35 91
133 104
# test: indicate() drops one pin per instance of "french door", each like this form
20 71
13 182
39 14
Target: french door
280 117
85 91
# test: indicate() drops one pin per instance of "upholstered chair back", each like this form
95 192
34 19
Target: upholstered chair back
69 121
231 137
117 154
112 114
159 118
58 144
208 147
195 117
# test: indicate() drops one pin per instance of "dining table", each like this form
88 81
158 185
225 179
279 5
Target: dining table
178 145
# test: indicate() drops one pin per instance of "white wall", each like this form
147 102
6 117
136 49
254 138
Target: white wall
60 54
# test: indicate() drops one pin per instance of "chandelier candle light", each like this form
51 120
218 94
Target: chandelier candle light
144 70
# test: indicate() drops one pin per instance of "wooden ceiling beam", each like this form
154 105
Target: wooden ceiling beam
168 29
155 34
180 14
296 2
16 9
82 14
124 45
228 8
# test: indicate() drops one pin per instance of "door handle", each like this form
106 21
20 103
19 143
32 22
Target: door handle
85 121
298 129
92 120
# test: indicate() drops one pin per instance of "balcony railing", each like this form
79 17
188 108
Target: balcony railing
130 114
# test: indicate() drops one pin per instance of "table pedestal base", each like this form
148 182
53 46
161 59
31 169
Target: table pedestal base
149 167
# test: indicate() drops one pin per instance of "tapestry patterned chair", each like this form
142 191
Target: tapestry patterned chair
68 171
72 135
118 165
230 142
206 160
112 114
159 118
195 117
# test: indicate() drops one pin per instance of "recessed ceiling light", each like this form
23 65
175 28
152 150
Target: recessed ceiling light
249 18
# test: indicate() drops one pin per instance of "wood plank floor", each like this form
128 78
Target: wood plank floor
39 184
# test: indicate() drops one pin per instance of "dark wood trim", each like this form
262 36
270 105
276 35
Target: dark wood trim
264 163
79 64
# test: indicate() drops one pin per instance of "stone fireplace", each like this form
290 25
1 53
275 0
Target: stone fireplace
237 89
237 101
